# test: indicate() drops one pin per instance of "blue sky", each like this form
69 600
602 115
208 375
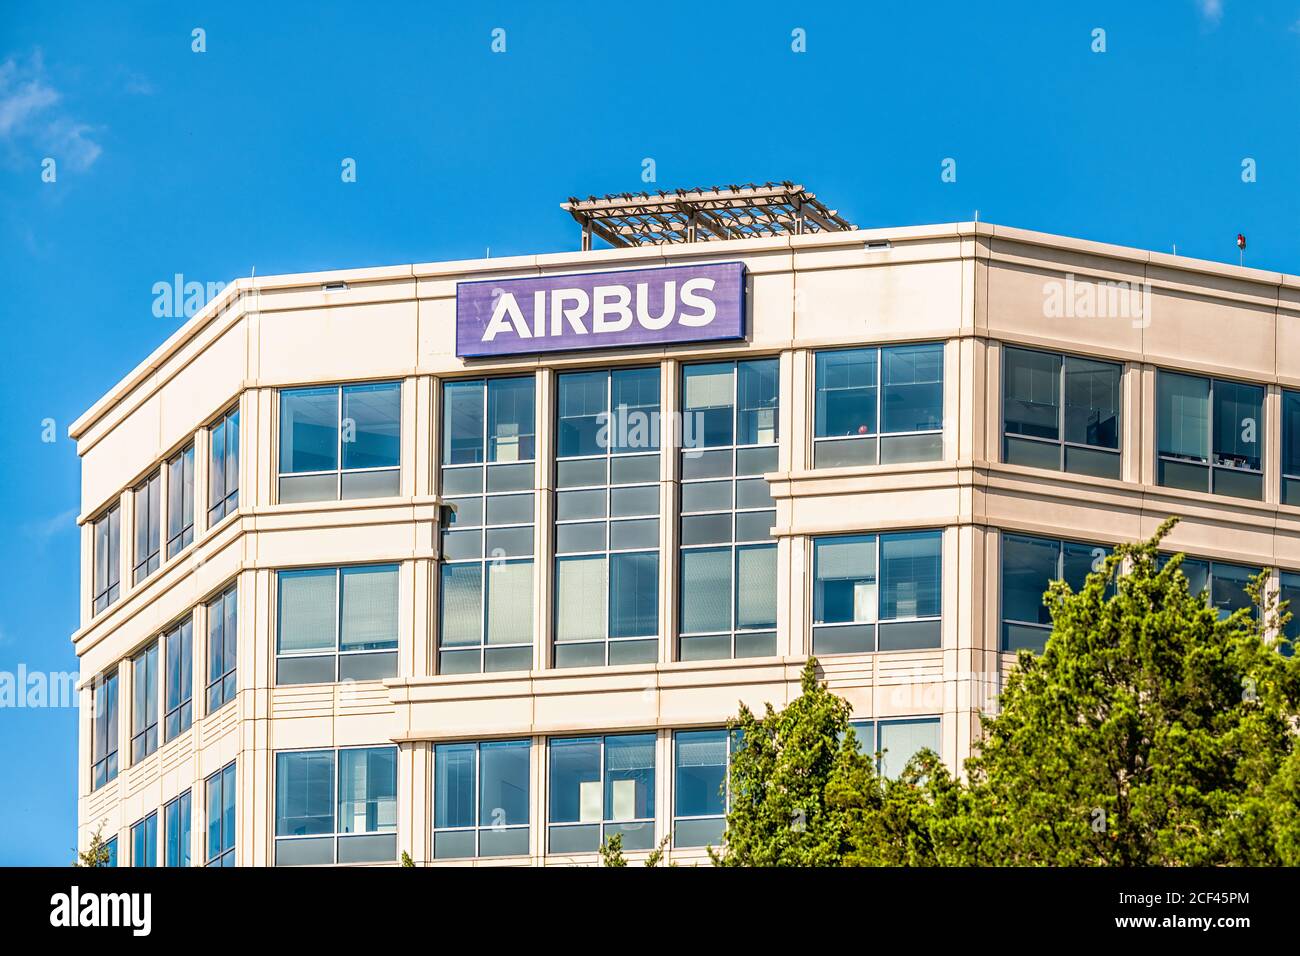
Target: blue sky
211 164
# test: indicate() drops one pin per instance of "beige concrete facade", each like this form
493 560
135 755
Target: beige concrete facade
972 286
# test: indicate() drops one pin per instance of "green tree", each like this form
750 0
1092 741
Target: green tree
781 767
611 851
406 859
1151 731
96 854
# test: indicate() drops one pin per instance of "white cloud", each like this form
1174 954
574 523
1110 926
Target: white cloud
41 531
31 120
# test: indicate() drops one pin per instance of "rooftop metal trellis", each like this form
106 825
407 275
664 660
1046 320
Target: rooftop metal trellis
703 214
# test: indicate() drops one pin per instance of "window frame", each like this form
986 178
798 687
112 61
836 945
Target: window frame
145 738
183 630
149 493
180 530
522 743
631 649
336 835
1210 463
1060 543
337 651
763 639
734 742
877 433
145 830
184 822
227 682
877 539
100 731
104 594
608 825
875 723
339 471
225 781
513 651
225 424
1064 358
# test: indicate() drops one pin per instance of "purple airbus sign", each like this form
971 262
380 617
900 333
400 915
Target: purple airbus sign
569 313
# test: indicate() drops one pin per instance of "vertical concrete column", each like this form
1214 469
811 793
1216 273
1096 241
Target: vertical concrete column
413 454
794 456
663 785
202 486
1140 423
670 443
126 553
537 801
412 801
972 403
259 440
87 592
425 432
543 518
125 690
1271 452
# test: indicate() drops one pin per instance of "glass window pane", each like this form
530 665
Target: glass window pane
1031 393
1291 435
845 402
462 423
460 608
1080 560
372 425
1092 402
1228 587
706 590
1183 416
1238 418
634 594
304 793
700 770
369 608
453 785
308 611
575 781
1290 592
580 588
509 602
1029 565
910 577
510 419
756 587
630 777
635 400
503 792
757 384
844 572
368 790
581 408
912 394
309 422
707 405
901 739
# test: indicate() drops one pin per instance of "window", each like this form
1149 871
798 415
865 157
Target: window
223 466
899 741
877 592
1291 449
148 530
144 842
607 518
337 624
103 731
701 788
1224 584
144 703
111 847
480 794
1029 565
176 831
179 645
727 571
1290 591
221 817
339 442
486 607
875 406
1061 412
108 558
180 502
1208 433
600 786
308 792
223 638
